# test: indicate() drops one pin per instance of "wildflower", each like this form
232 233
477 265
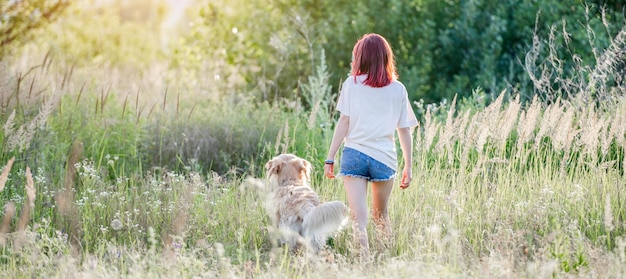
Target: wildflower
116 224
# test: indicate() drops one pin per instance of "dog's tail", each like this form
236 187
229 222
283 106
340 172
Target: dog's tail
323 220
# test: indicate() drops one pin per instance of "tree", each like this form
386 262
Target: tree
19 19
443 48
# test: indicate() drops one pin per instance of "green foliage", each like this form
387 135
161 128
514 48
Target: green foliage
22 19
234 48
108 128
245 132
443 48
215 137
125 36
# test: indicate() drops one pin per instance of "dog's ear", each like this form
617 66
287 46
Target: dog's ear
274 166
305 168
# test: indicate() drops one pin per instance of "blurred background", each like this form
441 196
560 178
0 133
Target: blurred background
267 48
193 62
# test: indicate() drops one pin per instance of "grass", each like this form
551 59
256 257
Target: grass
152 185
485 203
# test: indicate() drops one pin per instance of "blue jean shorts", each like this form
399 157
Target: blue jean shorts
357 164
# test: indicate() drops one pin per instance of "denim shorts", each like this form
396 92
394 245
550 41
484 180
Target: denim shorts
357 164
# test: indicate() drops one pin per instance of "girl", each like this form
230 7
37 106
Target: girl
373 106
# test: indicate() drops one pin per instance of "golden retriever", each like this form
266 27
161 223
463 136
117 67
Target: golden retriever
294 207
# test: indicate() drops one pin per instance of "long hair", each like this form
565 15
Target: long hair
372 55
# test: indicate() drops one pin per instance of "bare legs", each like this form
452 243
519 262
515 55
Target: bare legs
356 189
381 191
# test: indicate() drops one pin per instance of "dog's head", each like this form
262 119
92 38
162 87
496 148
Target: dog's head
288 168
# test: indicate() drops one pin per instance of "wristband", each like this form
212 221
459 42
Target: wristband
329 162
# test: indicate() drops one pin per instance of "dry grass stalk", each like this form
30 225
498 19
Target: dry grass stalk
563 138
431 128
563 134
30 188
470 135
384 235
527 122
76 152
9 125
175 231
539 81
469 139
448 130
483 136
179 223
482 125
5 173
592 125
463 163
482 139
606 139
313 116
551 117
507 122
466 128
461 125
486 122
29 205
27 208
606 64
282 139
279 139
491 114
614 129
20 138
65 200
9 213
618 129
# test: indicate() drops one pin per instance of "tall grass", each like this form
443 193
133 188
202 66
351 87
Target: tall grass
128 183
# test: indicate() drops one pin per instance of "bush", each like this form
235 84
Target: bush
443 48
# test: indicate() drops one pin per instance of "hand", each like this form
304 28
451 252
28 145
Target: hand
329 170
407 176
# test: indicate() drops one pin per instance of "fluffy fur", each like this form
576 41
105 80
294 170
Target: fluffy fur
295 209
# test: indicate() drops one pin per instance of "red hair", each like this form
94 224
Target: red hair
372 55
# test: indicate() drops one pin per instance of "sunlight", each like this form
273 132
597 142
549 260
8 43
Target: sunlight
131 128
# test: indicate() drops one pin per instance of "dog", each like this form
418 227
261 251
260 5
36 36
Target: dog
295 208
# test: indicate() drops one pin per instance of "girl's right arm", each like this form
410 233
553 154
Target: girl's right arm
341 130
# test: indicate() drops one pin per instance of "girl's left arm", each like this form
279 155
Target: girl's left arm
406 144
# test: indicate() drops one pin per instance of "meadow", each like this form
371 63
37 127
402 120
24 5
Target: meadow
531 191
111 172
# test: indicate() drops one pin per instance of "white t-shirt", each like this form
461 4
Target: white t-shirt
375 114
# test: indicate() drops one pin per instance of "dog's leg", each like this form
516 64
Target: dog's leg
289 228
